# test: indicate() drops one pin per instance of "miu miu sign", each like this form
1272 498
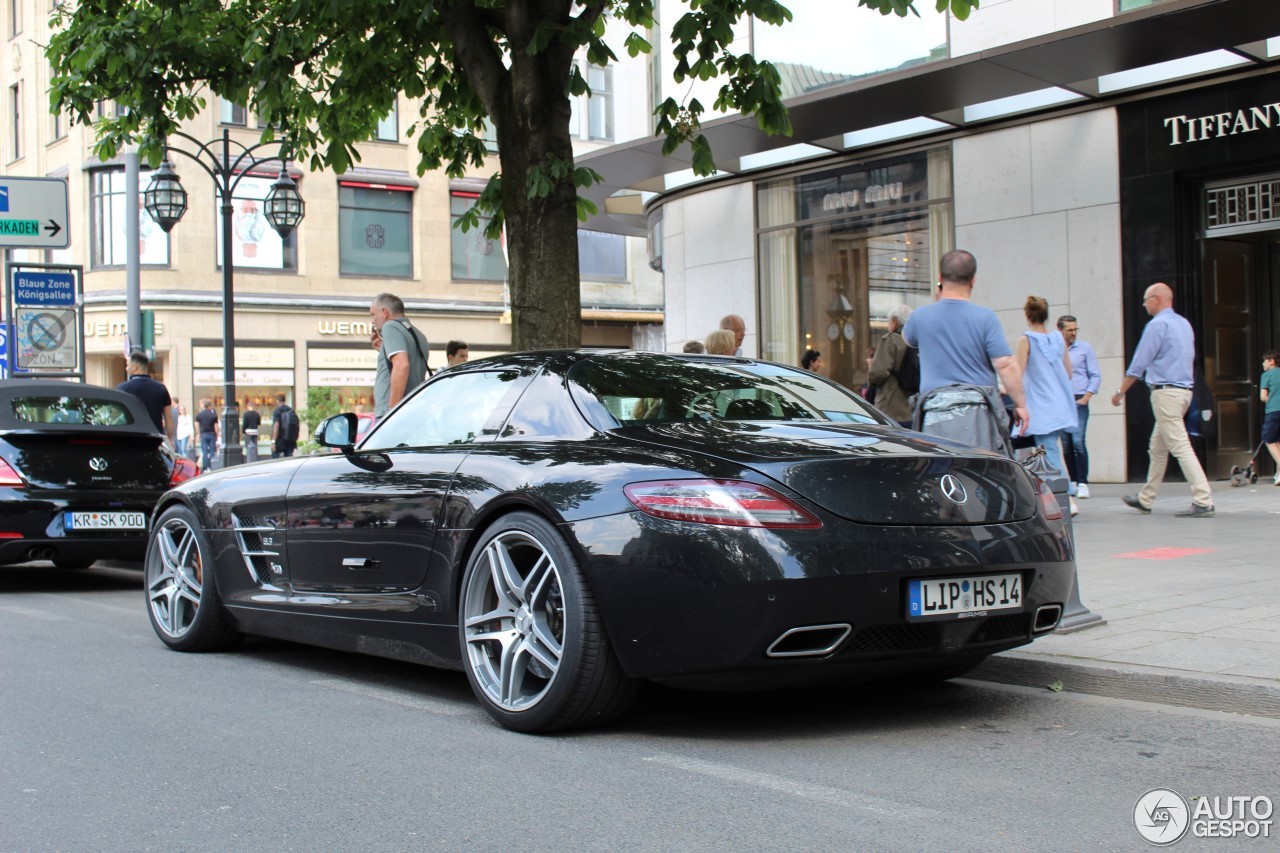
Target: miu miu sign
1218 125
856 198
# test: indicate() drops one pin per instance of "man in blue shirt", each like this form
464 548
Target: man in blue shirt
962 343
1164 360
153 394
1086 379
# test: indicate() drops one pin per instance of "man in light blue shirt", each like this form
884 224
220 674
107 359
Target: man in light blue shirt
1164 360
962 343
1086 379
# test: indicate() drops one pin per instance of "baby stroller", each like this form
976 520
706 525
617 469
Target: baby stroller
1248 474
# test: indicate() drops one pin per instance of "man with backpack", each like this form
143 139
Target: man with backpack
285 426
894 370
402 353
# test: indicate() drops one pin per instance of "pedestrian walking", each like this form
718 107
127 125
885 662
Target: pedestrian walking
1165 360
962 352
1086 379
1270 393
735 324
402 353
285 426
249 426
720 342
208 431
812 361
154 396
185 431
1046 380
456 352
885 366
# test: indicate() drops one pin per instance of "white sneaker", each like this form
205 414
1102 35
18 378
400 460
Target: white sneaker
1276 479
1075 509
1082 491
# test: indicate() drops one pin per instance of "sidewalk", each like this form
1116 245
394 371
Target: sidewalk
1192 615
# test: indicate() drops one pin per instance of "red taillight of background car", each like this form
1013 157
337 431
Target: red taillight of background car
8 476
726 502
1048 501
183 469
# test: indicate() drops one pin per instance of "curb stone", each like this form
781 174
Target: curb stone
1231 694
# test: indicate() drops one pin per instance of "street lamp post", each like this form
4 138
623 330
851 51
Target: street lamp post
166 201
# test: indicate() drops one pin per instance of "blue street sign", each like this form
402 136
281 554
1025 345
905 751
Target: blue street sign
4 350
46 289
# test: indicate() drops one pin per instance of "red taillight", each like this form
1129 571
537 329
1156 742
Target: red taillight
726 502
8 476
183 469
9 534
1048 501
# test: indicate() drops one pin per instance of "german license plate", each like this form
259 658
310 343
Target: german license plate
963 598
105 520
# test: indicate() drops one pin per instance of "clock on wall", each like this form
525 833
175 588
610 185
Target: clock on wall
833 331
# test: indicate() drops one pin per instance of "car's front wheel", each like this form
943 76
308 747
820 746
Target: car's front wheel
533 645
182 592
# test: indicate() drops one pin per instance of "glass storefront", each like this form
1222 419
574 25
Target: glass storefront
840 248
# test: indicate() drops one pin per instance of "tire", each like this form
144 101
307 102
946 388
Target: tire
532 642
181 587
72 565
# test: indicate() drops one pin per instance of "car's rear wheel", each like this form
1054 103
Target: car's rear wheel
182 592
533 645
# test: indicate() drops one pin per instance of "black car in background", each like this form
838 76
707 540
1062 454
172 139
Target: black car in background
562 525
81 469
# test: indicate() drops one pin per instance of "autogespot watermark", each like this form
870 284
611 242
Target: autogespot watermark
1163 816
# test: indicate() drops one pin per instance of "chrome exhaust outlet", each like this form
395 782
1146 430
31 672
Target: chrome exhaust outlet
1046 619
809 641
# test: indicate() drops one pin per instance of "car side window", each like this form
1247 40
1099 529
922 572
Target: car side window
458 409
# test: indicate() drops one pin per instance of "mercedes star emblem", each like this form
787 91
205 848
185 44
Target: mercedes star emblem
954 489
97 463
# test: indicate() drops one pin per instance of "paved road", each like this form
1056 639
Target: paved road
108 741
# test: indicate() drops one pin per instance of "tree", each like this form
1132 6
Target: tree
321 73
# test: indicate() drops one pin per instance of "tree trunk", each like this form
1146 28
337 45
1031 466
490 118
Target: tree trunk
542 247
530 110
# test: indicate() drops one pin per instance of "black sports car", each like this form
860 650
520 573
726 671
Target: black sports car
81 468
561 525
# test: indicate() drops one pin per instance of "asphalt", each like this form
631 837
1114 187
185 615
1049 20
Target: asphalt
1189 608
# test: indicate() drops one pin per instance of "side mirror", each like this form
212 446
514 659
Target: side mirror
338 431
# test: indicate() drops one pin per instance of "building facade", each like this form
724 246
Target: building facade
301 303
1081 149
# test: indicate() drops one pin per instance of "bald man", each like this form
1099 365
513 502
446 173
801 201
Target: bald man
734 323
1165 360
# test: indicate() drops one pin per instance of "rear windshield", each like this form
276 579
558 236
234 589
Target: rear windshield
89 411
640 387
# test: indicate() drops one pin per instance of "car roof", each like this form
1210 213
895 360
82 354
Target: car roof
14 388
559 360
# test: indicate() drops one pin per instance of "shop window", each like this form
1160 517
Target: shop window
1126 5
375 230
389 125
841 248
475 256
15 17
596 106
232 113
107 223
602 256
254 243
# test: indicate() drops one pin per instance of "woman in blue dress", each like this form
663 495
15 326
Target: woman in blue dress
1046 378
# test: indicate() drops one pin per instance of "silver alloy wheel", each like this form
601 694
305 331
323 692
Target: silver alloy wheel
175 576
513 621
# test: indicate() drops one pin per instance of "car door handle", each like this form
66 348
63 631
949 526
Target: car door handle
358 563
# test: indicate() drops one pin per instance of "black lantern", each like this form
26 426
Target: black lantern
284 205
165 199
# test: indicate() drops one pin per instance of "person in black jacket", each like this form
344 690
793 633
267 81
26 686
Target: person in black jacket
249 428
